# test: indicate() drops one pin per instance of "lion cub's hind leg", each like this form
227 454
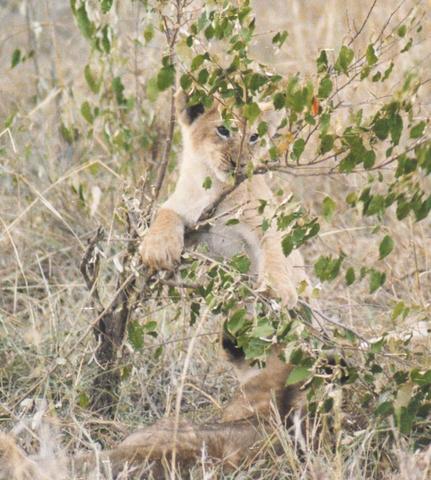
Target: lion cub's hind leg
282 275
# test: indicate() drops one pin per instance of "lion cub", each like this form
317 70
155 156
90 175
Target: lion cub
212 151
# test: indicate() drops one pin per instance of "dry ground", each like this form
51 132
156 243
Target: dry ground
54 195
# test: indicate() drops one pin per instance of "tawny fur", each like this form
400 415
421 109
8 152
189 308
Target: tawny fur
167 230
207 154
244 421
16 465
232 440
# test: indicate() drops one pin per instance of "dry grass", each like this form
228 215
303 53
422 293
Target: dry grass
54 195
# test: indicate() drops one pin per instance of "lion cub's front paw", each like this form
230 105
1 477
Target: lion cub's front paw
287 293
160 251
281 286
161 247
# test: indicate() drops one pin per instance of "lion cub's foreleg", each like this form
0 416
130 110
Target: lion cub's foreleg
161 247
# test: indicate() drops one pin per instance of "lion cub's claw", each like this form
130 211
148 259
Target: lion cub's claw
282 288
161 252
288 294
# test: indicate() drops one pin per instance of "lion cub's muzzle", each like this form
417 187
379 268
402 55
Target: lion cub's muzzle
231 163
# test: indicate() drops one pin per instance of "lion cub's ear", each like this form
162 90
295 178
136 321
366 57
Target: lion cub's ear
187 114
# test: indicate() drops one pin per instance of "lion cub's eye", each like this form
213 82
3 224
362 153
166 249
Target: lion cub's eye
253 138
223 132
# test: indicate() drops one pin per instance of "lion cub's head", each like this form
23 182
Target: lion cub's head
206 137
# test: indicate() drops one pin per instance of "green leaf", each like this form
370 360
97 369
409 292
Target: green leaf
263 329
376 347
135 333
16 58
298 374
403 208
209 32
165 77
198 61
421 378
350 276
402 30
185 81
86 112
328 208
68 134
251 111
388 71
106 5
149 33
369 158
118 88
376 77
152 90
287 245
262 128
195 309
386 246
418 130
322 62
396 128
237 321
327 268
407 46
351 199
421 209
232 221
325 122
381 128
406 417
376 205
106 38
298 98
296 356
325 87
280 38
279 101
377 279
241 263
326 143
366 69
203 76
298 148
85 25
344 59
398 310
371 55
91 81
384 409
255 348
256 81
150 326
83 400
207 183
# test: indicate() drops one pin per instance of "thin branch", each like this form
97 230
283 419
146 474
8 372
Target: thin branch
89 266
333 322
171 38
363 23
166 154
176 284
